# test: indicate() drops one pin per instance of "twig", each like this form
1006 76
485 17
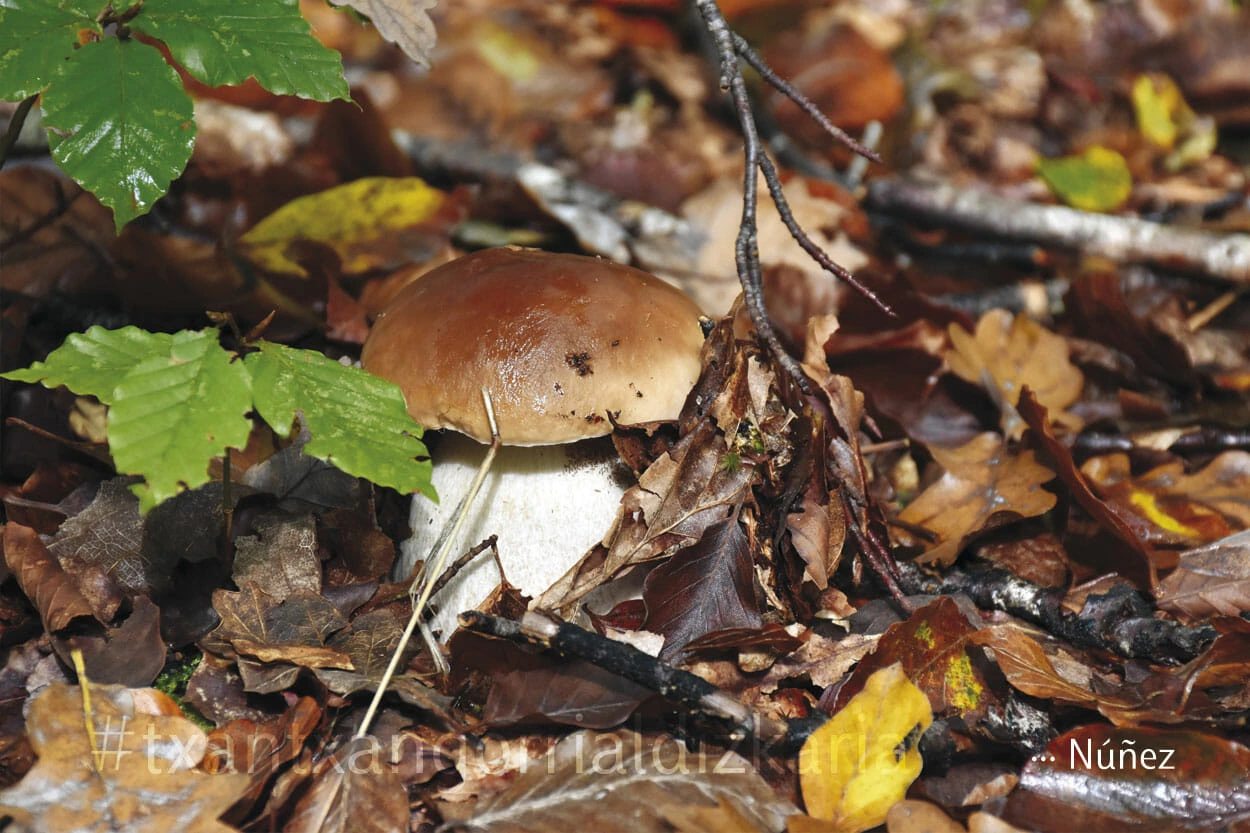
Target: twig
1223 256
691 691
438 560
731 49
16 121
459 564
1119 621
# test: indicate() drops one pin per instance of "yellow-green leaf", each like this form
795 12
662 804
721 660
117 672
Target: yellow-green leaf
1157 101
1096 180
860 763
354 219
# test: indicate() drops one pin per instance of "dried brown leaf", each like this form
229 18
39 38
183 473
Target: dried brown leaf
986 485
281 557
294 630
1167 506
706 587
577 694
140 775
353 791
405 23
1008 353
623 783
41 578
131 654
1212 579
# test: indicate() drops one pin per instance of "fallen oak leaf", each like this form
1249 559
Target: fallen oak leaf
860 763
138 773
986 485
1008 353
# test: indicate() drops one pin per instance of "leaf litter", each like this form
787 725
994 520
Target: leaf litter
1088 454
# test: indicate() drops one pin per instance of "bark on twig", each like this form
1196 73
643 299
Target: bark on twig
1126 239
1119 621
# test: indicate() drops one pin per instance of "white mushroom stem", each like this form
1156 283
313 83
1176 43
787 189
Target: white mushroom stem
548 505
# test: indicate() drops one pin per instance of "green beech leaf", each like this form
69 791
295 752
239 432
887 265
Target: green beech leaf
1097 180
92 363
36 36
358 422
120 124
228 41
172 413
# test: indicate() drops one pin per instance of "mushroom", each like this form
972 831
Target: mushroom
565 345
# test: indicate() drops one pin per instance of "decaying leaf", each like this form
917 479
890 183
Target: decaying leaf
677 498
624 783
138 772
41 578
1212 579
405 23
934 648
986 485
296 629
367 222
1167 506
1099 777
703 588
1009 352
355 789
860 763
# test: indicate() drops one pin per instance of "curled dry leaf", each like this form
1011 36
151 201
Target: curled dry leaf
41 578
986 485
139 774
1007 353
624 783
1212 579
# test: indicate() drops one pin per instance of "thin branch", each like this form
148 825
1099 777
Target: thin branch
622 659
1119 621
1125 239
732 50
804 103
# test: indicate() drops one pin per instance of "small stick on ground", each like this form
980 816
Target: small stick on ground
1124 239
691 691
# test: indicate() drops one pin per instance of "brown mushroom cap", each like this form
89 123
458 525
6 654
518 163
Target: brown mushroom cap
560 341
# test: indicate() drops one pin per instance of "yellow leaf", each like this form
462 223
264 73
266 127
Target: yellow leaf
354 219
860 763
1097 180
1157 101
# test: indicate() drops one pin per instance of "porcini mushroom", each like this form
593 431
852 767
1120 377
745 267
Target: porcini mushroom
564 344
